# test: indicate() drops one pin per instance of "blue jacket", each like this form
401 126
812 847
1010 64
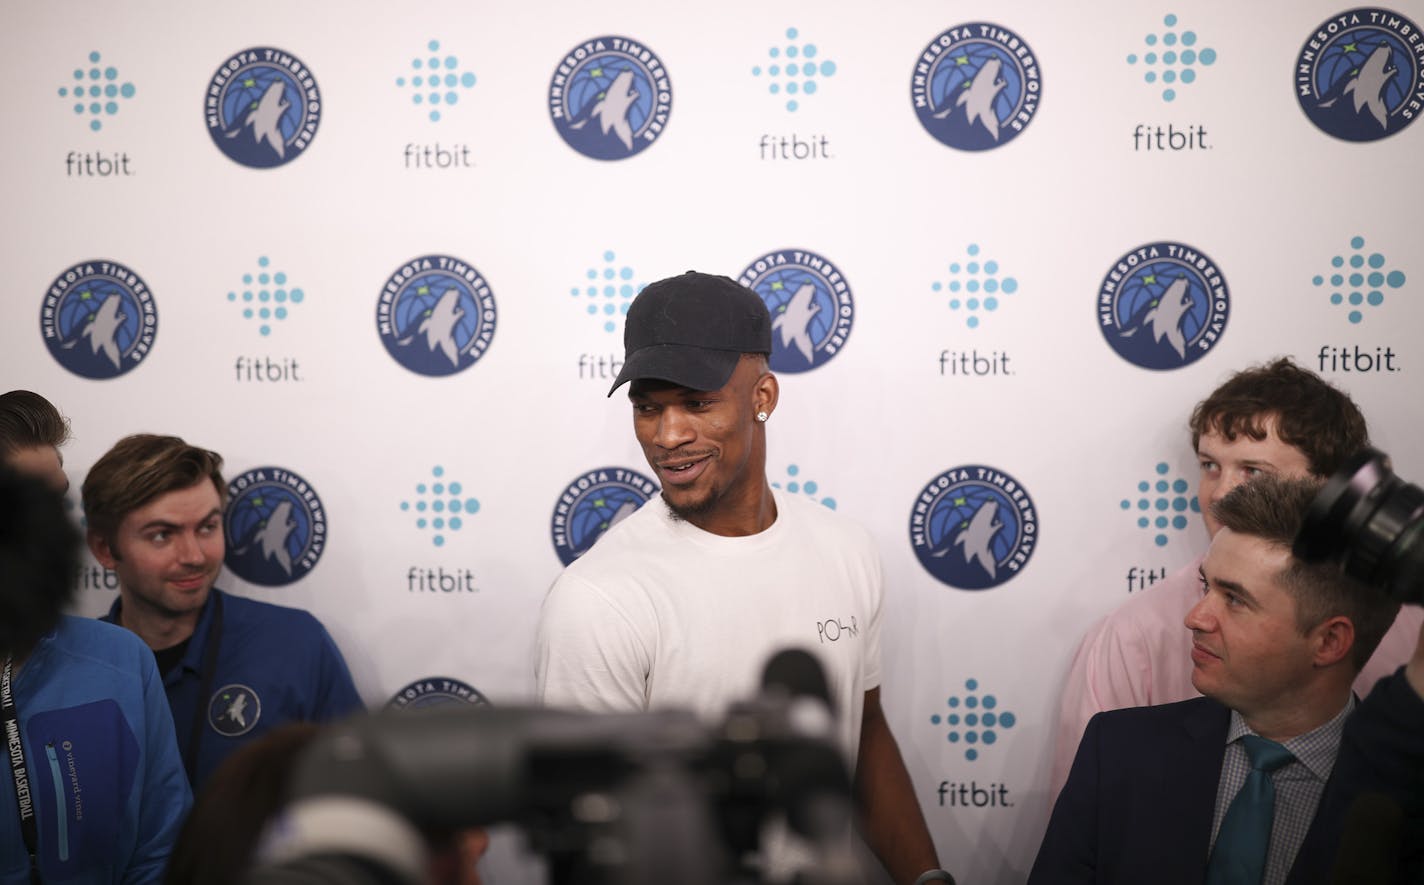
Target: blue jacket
107 782
275 665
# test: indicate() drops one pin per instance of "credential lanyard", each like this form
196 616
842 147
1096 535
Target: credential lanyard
16 751
200 712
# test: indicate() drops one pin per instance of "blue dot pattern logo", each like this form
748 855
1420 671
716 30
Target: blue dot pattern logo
96 91
610 98
795 70
974 721
98 319
1177 54
811 304
1364 280
593 503
440 506
266 297
1358 77
1163 305
608 291
976 86
1161 505
436 691
435 82
436 315
973 527
795 485
233 710
974 286
275 527
262 107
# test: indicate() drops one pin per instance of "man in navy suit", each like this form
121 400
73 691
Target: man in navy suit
1277 643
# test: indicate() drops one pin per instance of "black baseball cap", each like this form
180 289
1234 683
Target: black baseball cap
691 330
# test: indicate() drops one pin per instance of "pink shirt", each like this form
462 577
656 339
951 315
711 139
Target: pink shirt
1141 654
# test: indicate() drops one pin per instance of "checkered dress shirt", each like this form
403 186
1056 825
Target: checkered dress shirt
1299 785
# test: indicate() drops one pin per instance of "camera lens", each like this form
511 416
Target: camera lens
1373 523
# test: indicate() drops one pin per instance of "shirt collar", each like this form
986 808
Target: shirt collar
193 656
1316 749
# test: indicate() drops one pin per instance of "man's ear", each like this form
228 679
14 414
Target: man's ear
100 547
766 393
1334 640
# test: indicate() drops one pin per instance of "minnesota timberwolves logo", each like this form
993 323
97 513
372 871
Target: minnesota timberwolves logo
973 527
610 98
436 315
275 526
436 691
811 306
98 319
1163 306
976 86
1358 76
233 710
262 107
592 504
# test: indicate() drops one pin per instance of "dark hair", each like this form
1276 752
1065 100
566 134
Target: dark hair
250 787
1273 508
28 420
39 555
138 469
1310 414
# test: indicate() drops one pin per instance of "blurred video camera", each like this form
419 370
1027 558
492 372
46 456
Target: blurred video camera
611 799
1372 523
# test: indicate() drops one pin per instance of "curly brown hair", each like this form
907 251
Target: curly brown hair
1310 414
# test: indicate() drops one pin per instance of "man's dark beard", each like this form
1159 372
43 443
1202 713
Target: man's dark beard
685 513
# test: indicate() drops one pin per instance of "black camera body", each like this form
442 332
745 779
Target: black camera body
1372 522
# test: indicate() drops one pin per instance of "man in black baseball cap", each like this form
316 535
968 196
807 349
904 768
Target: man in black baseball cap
681 603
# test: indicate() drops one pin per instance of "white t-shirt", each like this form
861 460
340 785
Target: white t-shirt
660 614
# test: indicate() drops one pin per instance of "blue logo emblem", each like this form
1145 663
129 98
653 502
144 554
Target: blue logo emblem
1365 284
1162 505
610 98
98 319
608 291
973 527
973 720
1178 55
1358 76
811 306
436 315
592 504
234 710
435 80
976 86
270 292
975 286
275 527
262 107
798 66
809 487
97 99
1163 306
440 507
436 691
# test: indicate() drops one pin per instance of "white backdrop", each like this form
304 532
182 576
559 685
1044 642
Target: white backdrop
1271 198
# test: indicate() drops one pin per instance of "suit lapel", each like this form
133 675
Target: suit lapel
1194 776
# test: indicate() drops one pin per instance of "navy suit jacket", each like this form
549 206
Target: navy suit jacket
1139 801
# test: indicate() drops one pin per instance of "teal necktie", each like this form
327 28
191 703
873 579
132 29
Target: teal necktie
1239 856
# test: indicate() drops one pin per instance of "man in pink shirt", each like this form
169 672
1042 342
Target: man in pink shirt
1278 419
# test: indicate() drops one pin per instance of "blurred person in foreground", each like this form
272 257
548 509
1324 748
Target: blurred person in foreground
94 791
